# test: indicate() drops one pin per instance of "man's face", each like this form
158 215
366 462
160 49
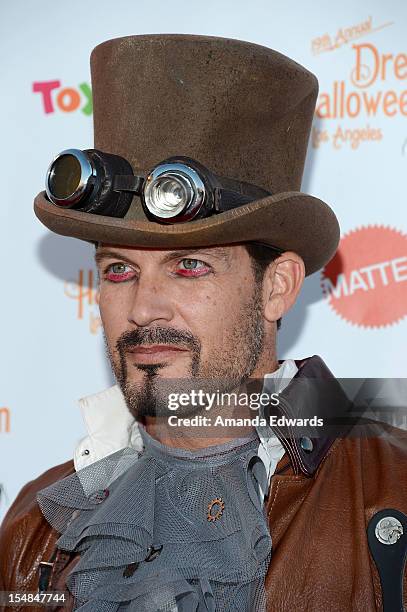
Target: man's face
173 317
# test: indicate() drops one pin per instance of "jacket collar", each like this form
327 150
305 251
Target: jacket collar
313 392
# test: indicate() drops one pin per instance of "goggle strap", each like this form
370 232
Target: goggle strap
128 182
226 199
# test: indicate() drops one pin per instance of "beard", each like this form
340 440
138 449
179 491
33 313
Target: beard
231 363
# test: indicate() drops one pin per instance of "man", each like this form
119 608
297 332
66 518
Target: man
191 197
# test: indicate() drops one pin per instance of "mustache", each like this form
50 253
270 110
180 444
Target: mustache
157 335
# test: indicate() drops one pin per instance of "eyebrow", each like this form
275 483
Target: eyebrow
221 253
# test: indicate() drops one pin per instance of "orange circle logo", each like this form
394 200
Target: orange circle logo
366 282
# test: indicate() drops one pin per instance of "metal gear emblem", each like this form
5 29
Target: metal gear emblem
389 530
215 509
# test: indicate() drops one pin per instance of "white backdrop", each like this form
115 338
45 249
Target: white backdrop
52 346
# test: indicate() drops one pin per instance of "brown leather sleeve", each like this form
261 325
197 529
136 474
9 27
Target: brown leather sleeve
25 536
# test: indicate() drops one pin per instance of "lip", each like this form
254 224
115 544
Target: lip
156 352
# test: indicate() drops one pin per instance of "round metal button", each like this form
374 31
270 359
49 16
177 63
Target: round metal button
307 444
389 530
98 496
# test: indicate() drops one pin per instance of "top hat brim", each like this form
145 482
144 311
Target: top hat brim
290 221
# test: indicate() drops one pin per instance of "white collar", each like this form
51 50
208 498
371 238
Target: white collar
111 427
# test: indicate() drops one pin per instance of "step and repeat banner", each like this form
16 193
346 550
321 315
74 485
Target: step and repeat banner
352 313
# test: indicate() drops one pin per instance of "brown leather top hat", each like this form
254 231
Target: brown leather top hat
235 114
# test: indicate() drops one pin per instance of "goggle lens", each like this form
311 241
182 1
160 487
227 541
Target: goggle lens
65 176
168 195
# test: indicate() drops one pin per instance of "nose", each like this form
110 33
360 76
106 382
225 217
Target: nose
150 302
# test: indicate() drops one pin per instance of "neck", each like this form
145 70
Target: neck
203 429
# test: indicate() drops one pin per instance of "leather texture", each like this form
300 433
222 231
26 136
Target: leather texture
318 509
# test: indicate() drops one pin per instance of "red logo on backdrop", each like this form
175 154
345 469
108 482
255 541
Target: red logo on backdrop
366 282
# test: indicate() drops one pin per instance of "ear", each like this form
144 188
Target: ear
283 280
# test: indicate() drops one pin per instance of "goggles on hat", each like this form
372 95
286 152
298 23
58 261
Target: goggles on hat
177 189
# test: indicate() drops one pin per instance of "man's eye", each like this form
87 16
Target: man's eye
117 272
191 264
118 268
192 267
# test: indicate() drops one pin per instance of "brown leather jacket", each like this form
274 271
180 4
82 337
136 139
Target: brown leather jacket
319 506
